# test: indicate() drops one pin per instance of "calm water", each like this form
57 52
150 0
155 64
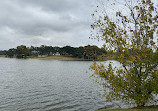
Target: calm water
48 85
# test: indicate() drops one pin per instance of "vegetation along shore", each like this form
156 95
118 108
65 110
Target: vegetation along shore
147 108
56 53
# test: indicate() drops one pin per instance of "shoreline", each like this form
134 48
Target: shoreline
62 58
145 108
57 58
2 55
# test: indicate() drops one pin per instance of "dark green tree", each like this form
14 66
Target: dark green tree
93 52
68 50
11 52
22 51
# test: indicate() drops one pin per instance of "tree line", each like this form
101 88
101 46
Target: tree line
86 52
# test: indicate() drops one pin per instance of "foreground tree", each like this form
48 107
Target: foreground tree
133 39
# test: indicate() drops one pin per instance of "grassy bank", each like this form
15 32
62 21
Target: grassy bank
148 108
66 58
2 55
57 58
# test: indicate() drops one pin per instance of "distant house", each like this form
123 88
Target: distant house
42 55
51 53
34 53
57 54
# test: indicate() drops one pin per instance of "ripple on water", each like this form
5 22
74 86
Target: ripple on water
39 85
62 106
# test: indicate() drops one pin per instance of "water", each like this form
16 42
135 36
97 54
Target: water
48 85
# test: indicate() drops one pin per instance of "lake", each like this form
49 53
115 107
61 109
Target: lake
48 85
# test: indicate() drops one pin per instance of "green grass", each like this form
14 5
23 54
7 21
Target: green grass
148 108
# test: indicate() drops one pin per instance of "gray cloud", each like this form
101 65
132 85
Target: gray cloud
48 22
52 22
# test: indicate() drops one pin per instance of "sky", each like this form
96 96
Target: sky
46 22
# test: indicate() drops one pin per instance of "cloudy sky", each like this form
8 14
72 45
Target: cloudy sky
48 22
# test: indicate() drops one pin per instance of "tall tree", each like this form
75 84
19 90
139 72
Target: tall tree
133 37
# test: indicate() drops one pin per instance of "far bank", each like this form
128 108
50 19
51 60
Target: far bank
66 58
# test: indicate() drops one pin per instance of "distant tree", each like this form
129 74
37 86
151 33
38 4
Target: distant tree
11 52
103 51
32 48
93 52
41 50
68 50
22 51
79 52
57 49
33 51
47 50
132 38
3 52
52 50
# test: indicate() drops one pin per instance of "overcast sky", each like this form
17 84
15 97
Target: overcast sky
46 22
